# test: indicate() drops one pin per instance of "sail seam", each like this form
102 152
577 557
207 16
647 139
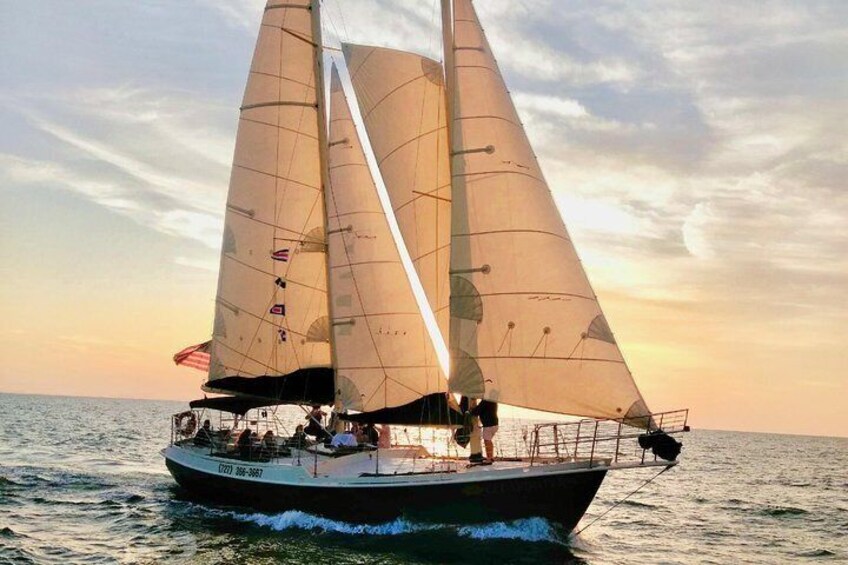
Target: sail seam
390 93
489 117
334 167
282 77
284 128
343 214
365 263
534 177
279 103
496 232
590 359
410 141
432 252
590 298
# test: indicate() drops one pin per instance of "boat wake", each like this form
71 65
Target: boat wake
527 529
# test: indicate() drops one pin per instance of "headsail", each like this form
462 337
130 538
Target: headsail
271 308
402 99
526 328
384 353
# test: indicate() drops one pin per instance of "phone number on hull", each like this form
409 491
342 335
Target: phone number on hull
239 471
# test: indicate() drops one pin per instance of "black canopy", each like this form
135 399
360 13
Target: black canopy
430 410
304 386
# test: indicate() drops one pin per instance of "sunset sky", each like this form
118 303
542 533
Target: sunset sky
697 152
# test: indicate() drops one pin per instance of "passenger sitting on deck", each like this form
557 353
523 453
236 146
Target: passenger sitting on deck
314 425
243 443
203 437
269 444
370 435
358 433
298 439
384 438
344 439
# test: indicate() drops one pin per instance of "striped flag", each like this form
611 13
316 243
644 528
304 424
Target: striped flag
278 309
196 356
280 255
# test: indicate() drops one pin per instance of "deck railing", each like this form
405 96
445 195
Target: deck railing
602 441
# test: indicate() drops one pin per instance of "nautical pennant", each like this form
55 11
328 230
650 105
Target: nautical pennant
280 255
282 335
278 309
280 282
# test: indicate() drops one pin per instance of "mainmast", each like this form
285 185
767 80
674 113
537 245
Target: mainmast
323 148
450 84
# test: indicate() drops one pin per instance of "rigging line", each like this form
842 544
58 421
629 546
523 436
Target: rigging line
278 177
274 275
583 529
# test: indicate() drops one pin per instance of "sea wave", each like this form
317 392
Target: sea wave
528 529
816 553
783 511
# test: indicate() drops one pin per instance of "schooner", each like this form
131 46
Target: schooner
315 307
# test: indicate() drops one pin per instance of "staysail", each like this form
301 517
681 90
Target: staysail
384 354
402 100
526 328
271 315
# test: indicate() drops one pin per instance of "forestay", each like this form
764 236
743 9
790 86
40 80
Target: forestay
271 307
402 100
526 328
384 354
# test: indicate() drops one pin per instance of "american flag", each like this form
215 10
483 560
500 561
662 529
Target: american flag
196 356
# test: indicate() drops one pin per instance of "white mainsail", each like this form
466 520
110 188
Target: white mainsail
384 354
271 308
526 327
402 100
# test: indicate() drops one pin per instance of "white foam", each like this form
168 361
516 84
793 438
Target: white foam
527 529
530 529
295 519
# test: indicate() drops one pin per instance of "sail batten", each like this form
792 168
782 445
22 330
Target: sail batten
401 99
272 284
526 328
384 355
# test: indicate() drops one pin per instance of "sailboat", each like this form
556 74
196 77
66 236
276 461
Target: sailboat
315 307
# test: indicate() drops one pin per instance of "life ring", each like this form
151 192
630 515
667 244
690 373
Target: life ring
185 423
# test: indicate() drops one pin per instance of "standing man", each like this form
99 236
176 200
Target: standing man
487 411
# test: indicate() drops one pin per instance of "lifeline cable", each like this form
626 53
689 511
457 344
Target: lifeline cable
578 532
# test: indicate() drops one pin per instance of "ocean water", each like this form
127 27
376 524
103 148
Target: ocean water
82 481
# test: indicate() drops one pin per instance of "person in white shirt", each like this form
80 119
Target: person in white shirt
344 439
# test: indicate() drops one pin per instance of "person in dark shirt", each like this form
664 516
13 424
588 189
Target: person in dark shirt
299 439
487 411
243 443
203 437
372 436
